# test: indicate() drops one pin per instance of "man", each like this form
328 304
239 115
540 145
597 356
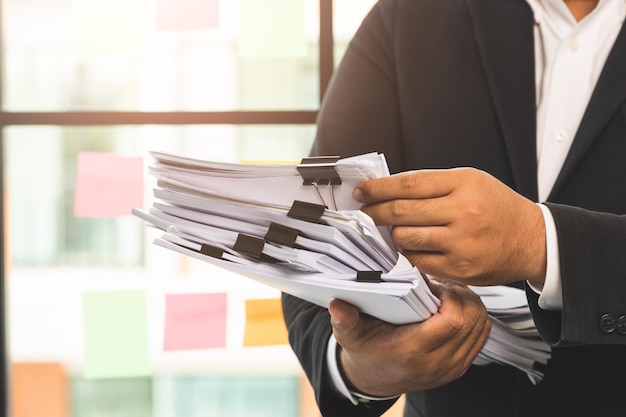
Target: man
485 107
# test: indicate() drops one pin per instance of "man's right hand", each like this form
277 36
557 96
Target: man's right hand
381 359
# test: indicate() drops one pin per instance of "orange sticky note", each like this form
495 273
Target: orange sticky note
107 185
264 323
39 389
174 15
195 321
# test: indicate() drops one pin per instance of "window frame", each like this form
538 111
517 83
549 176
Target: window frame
136 118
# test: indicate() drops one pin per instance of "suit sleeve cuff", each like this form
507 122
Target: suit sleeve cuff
551 293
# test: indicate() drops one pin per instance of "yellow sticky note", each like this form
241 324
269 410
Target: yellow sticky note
39 389
272 29
264 323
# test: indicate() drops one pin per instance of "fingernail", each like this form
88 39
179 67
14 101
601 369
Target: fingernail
357 194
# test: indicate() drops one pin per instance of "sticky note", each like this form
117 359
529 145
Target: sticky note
195 321
179 15
107 185
116 336
272 28
264 323
39 389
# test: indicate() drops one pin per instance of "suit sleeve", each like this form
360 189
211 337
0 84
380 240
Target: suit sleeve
359 114
592 248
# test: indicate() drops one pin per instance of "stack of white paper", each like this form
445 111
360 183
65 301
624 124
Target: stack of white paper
297 228
514 339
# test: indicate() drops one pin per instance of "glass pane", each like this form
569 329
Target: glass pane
42 185
161 55
58 259
130 397
232 396
347 17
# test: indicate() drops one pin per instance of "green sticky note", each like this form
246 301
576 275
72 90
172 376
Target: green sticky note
272 29
116 336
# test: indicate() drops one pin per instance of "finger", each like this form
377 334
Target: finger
479 342
414 212
473 341
477 321
422 238
432 263
464 344
412 184
447 322
459 347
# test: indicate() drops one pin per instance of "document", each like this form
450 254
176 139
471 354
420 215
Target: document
296 228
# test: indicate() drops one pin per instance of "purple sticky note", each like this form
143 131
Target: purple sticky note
107 185
195 321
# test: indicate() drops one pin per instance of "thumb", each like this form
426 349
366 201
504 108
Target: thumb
344 316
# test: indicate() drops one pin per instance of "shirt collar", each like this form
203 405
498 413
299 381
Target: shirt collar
557 10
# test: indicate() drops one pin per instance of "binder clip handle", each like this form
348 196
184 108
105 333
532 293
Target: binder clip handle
319 170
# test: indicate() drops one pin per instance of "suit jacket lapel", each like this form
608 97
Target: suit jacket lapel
608 95
505 39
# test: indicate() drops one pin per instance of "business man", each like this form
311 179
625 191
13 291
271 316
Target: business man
486 107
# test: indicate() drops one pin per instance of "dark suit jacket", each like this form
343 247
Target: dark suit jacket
450 83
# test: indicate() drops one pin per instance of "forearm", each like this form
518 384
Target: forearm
309 332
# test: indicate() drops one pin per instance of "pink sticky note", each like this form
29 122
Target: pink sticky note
107 185
195 321
186 14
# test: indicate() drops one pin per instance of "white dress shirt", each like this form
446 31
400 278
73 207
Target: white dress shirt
569 57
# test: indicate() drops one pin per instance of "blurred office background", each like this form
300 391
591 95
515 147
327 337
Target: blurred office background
98 321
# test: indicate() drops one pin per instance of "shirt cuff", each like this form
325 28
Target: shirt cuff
333 370
337 379
551 293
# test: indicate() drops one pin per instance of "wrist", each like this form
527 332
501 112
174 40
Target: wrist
362 391
537 252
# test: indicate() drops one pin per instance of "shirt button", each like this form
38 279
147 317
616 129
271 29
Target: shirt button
607 323
560 135
621 325
574 46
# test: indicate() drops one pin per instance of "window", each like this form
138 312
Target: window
230 80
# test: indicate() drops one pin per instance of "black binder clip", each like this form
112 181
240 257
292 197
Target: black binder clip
250 245
309 212
369 276
282 235
211 251
320 170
